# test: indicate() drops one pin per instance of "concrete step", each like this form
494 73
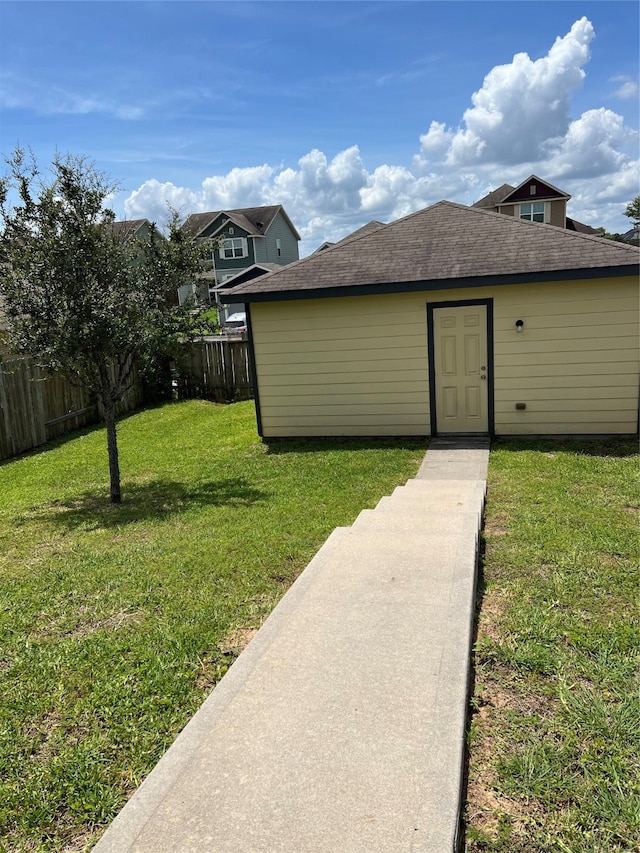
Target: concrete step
340 728
448 488
403 520
432 503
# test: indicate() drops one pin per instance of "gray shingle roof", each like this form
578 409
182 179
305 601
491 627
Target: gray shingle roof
255 220
495 197
439 246
126 228
574 225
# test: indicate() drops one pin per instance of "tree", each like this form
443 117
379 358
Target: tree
78 297
633 211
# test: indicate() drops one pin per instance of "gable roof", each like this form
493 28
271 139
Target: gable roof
247 274
506 194
256 221
542 189
494 198
445 245
127 228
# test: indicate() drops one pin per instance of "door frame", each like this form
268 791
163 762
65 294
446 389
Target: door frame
461 303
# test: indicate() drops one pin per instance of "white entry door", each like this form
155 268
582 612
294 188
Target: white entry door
460 365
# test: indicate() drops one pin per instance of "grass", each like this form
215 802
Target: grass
554 740
116 621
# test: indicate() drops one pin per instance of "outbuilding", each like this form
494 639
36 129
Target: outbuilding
452 320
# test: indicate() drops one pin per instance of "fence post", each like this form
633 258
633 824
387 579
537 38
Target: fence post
227 360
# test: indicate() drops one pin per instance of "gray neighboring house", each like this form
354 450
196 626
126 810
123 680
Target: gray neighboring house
253 239
234 308
129 229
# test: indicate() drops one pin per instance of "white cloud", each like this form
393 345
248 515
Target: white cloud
238 188
519 107
152 200
519 123
591 145
22 93
629 89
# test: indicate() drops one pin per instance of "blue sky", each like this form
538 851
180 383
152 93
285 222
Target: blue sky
341 111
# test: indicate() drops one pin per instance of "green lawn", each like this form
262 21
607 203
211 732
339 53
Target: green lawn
116 621
555 731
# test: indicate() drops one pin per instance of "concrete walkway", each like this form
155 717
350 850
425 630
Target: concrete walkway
340 728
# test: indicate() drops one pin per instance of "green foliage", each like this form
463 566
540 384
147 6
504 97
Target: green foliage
554 739
79 296
633 210
616 237
116 622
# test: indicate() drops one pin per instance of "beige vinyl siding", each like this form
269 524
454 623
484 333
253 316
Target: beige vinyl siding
348 366
575 365
558 213
358 365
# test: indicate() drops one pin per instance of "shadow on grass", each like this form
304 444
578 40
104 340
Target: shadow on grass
616 446
67 437
277 446
157 499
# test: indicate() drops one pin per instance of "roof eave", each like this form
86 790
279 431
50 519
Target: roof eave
620 271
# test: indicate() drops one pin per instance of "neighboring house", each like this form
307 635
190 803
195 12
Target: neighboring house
133 229
227 311
451 320
365 229
246 238
534 200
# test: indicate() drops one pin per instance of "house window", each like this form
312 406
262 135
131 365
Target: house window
234 247
533 212
278 247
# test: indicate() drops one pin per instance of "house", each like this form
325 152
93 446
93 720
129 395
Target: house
534 200
226 312
246 239
365 229
133 229
454 320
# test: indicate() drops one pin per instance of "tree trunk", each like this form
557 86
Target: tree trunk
112 447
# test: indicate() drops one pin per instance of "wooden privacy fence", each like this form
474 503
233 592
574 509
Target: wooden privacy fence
214 369
36 406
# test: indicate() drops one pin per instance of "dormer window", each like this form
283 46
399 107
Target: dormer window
533 211
533 189
230 230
